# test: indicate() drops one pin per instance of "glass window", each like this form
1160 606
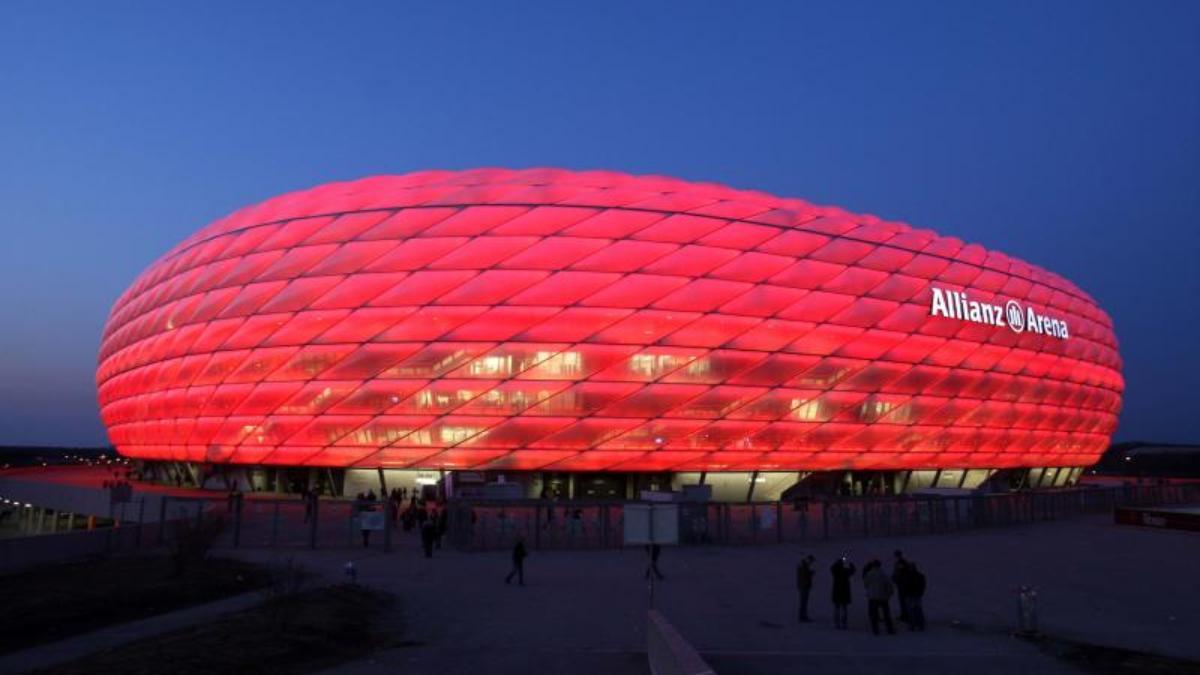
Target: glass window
976 477
920 480
950 478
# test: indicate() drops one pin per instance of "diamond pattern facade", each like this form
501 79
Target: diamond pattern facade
579 321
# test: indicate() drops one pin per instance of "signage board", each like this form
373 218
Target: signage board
1019 319
370 520
651 524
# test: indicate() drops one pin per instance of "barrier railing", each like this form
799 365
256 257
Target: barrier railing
488 525
481 525
178 516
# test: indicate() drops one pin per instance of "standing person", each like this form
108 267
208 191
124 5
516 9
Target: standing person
396 502
879 593
364 508
804 582
915 598
654 550
842 571
427 536
900 581
518 560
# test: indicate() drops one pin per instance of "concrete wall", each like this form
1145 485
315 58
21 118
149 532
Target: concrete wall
20 553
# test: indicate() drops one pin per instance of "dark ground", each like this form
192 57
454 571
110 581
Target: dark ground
299 633
54 602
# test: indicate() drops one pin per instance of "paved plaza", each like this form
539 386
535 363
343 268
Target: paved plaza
583 611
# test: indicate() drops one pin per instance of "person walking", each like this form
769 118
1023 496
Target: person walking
654 550
365 509
879 593
804 582
915 598
518 560
842 571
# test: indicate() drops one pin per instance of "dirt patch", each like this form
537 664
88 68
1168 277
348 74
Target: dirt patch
54 602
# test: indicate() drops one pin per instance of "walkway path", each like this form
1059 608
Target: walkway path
584 611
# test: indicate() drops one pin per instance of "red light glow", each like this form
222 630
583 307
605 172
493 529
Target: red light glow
593 321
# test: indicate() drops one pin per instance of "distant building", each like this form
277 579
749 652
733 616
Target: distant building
1151 460
598 334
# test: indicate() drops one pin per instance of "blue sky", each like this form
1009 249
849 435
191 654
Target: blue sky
1066 133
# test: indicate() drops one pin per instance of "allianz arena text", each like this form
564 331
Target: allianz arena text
551 320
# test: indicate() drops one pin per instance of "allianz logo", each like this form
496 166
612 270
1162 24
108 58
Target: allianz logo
957 305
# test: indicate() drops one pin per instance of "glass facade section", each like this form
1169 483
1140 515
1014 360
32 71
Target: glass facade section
597 321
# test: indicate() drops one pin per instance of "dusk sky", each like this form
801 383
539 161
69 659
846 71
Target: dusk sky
1064 133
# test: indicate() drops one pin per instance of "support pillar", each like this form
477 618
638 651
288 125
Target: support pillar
750 490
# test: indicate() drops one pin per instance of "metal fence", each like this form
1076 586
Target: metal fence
297 523
488 525
123 535
476 525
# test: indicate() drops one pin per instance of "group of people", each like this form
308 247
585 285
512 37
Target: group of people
906 581
410 511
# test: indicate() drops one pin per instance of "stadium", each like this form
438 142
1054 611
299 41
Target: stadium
594 334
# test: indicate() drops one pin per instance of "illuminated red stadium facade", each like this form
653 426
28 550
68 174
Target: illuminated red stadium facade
554 321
